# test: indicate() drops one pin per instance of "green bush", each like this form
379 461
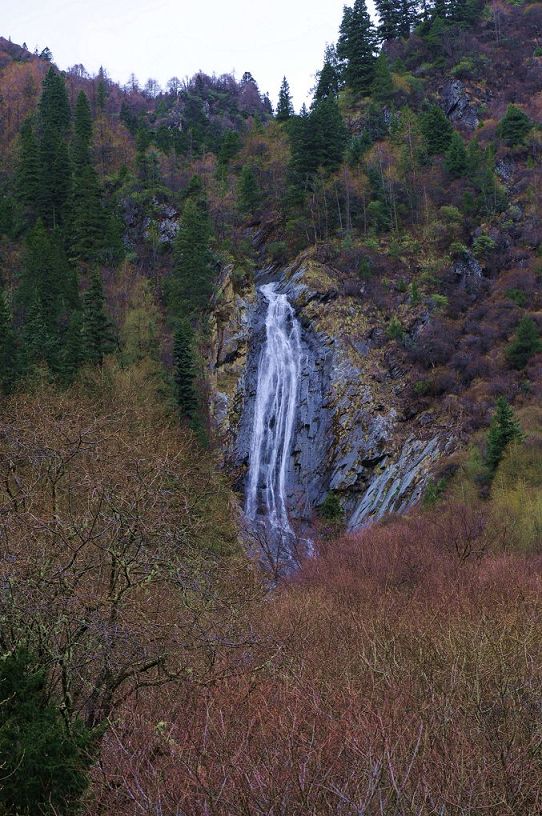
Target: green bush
482 246
43 766
331 508
395 330
514 126
525 344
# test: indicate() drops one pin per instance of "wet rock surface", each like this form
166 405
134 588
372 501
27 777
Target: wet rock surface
350 436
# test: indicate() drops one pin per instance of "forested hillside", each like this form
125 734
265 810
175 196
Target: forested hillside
158 655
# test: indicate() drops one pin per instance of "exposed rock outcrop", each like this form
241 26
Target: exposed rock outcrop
350 436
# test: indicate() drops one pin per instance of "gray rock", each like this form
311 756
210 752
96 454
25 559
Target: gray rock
457 105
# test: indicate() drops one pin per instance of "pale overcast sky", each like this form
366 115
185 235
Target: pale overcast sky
165 38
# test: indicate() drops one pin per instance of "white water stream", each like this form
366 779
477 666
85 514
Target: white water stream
274 413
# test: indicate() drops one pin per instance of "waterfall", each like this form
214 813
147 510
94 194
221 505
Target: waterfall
274 412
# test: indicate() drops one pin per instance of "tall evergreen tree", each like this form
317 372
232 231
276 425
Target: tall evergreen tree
28 173
248 191
408 17
55 173
9 360
357 47
514 126
503 430
44 767
54 106
329 77
192 281
185 369
87 217
97 334
285 108
436 129
389 19
525 344
382 87
455 159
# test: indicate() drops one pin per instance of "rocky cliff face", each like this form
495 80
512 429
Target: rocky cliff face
351 435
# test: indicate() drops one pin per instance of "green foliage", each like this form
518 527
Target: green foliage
517 296
285 108
28 173
318 139
434 492
97 330
525 344
382 87
463 69
482 246
503 430
248 191
455 159
44 766
331 508
185 370
191 285
9 359
395 330
514 126
357 47
436 129
54 161
329 77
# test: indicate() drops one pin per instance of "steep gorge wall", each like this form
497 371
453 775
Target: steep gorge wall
351 436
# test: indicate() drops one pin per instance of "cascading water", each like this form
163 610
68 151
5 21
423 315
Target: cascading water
274 413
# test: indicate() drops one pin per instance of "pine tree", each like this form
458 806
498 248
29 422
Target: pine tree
28 173
285 108
97 334
525 344
44 767
54 106
514 126
503 430
329 77
455 159
408 17
55 170
357 47
389 19
87 218
185 370
192 281
101 91
9 361
436 129
38 346
73 352
248 192
382 88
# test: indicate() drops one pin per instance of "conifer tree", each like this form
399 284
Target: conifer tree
73 352
55 170
248 192
503 430
455 159
97 332
328 78
44 767
185 370
28 173
357 47
382 87
9 362
407 17
525 344
101 91
514 126
285 108
38 346
389 19
436 129
192 281
87 218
